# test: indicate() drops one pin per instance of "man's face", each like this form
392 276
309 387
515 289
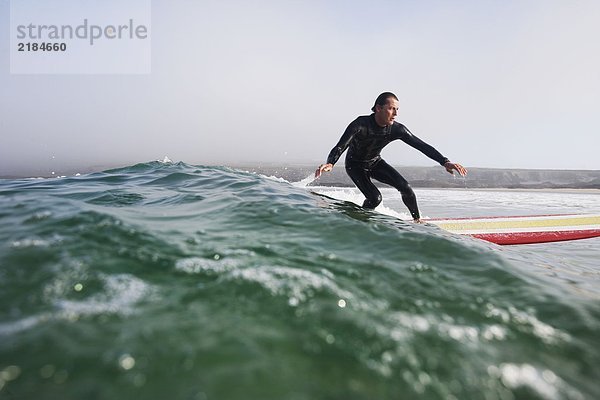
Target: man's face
384 115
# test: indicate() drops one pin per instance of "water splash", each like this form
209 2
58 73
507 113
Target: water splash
165 160
304 182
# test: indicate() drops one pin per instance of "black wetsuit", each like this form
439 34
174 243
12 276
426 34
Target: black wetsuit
364 140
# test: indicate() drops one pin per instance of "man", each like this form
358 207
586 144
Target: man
365 137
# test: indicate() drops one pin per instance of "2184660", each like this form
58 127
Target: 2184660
44 46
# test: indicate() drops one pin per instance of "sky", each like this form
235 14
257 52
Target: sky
498 84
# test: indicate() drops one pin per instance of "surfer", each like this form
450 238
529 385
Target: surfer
364 138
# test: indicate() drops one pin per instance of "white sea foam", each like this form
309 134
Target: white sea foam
542 330
545 332
11 328
121 293
274 178
297 284
25 243
543 382
404 325
354 196
197 265
165 160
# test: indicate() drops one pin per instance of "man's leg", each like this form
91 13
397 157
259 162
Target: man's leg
360 177
385 173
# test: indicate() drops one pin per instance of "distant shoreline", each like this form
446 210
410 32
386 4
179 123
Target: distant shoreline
436 177
581 181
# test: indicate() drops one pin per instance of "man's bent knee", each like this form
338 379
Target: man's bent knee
372 202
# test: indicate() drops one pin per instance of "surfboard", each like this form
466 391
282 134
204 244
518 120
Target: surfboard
524 229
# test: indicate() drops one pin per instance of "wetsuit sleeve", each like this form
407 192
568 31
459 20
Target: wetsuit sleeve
342 145
407 137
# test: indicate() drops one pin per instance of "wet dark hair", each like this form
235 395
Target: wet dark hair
382 99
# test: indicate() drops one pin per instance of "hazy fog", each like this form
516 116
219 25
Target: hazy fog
510 84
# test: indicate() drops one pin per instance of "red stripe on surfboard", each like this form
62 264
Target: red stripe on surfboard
536 237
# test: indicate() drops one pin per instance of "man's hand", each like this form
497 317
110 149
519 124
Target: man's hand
450 167
323 168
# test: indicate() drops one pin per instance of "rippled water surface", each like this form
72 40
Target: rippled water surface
175 281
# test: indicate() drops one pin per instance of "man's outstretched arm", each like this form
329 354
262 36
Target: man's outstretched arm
407 137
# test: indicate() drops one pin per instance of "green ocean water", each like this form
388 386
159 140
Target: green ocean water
173 281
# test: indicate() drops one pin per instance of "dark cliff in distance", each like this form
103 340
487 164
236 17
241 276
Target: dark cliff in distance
437 177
